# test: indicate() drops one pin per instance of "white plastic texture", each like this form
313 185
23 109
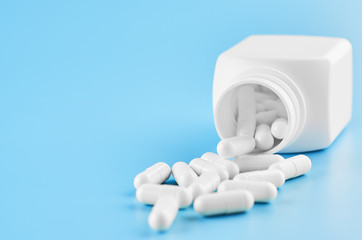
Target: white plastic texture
224 203
312 76
262 191
150 193
163 213
274 176
293 167
215 159
183 174
249 163
157 173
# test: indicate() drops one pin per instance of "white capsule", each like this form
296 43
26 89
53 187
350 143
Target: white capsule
157 173
274 176
149 194
200 166
276 105
215 159
246 111
268 91
224 203
163 213
259 107
261 96
206 183
294 166
279 128
263 137
234 104
281 110
249 163
262 191
183 174
245 128
234 146
266 117
270 104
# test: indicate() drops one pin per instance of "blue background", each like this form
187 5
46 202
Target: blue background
93 92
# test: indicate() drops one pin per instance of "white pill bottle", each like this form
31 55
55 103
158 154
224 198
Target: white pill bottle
312 76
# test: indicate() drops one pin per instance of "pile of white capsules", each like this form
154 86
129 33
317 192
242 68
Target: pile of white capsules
239 183
261 122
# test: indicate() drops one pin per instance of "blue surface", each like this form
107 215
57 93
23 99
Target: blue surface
91 93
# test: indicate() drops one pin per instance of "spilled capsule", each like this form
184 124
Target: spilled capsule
224 203
216 160
294 166
274 176
206 183
150 193
249 163
262 191
235 146
163 213
157 173
183 174
200 166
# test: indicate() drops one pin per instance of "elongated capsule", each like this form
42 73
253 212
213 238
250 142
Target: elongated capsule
263 137
249 163
266 117
281 110
268 91
200 166
246 128
157 173
270 104
294 166
274 176
279 128
235 146
150 193
262 191
215 159
259 107
224 203
206 183
163 213
246 111
261 96
276 105
183 174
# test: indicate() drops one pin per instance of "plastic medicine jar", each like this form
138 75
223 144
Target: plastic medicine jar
312 76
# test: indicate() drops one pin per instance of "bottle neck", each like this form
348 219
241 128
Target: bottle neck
283 86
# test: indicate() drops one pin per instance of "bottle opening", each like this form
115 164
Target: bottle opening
262 107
